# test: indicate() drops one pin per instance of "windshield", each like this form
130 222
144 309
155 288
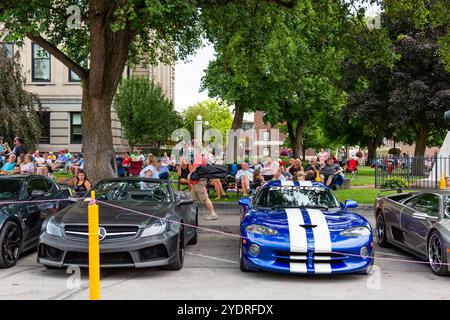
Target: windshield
447 207
292 196
136 190
10 189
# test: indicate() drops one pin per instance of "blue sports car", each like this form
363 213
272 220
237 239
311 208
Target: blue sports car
300 227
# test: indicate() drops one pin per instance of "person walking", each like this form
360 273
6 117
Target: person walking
198 187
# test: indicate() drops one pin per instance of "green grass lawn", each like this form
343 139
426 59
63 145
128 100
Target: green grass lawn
366 176
362 196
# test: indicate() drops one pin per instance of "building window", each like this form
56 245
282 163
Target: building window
9 46
266 136
75 128
73 77
44 119
40 64
266 152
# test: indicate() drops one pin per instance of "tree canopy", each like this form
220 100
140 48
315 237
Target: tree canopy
146 114
19 109
216 112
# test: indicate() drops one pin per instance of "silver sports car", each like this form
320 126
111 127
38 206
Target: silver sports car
418 222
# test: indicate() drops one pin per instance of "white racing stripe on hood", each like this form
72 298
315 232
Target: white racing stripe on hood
297 235
297 238
322 238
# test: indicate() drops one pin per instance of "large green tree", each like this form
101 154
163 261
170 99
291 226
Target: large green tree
216 112
111 33
146 114
19 109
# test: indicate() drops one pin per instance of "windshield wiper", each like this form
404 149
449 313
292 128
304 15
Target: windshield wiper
314 207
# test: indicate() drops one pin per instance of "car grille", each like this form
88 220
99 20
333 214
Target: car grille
113 233
105 258
154 252
287 256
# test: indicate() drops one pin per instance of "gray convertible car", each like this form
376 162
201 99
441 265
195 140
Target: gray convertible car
418 222
127 239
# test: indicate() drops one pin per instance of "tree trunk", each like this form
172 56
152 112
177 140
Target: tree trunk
238 119
421 141
371 150
419 151
295 138
108 56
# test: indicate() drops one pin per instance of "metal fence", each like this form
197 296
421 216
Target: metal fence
410 172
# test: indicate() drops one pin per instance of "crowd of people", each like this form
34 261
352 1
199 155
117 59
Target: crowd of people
321 169
248 177
19 160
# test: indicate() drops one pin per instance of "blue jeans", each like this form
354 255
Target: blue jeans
164 175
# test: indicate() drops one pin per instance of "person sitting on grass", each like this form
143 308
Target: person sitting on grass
163 170
279 175
27 166
244 176
312 169
332 174
9 165
217 184
152 165
16 170
258 180
81 183
60 160
183 171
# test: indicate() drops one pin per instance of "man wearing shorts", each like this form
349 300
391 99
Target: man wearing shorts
198 190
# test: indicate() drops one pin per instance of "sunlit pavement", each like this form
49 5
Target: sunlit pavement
211 271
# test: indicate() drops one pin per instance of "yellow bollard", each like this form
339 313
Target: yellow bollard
442 184
94 250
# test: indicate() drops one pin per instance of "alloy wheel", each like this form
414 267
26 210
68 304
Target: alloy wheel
435 252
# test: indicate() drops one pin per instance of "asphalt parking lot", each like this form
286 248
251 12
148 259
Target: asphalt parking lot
211 271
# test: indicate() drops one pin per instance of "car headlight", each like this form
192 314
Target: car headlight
258 229
53 229
157 228
356 232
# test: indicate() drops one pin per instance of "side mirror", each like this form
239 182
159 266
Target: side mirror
37 193
245 202
185 201
349 204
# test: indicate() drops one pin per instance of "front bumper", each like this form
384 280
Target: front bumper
344 258
155 251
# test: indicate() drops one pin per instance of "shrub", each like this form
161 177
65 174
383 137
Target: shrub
396 183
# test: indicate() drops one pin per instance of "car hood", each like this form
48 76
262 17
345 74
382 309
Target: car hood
78 213
336 219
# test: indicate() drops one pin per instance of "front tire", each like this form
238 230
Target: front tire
178 263
381 231
194 239
437 256
242 265
10 244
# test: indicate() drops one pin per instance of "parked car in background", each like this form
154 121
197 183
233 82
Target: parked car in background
417 222
21 222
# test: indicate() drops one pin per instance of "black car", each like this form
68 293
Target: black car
20 222
154 235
